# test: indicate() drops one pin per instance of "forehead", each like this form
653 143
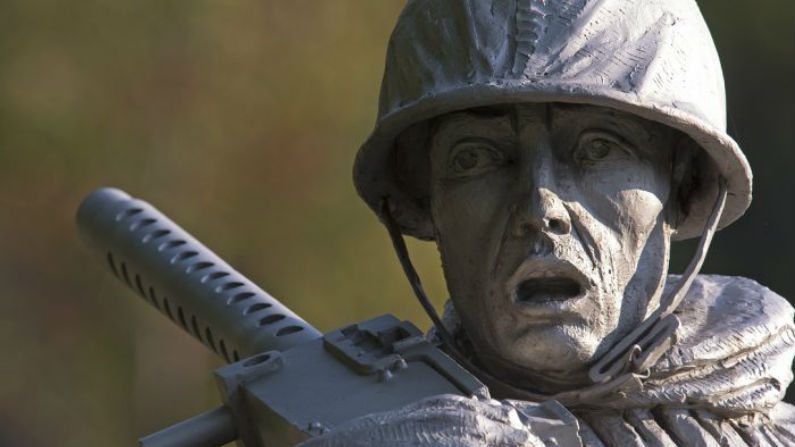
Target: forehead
553 115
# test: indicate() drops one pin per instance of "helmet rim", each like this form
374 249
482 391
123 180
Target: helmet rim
374 180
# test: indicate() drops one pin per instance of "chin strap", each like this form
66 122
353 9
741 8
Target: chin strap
414 279
627 361
641 348
496 387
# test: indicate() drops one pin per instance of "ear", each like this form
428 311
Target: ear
684 178
411 162
411 173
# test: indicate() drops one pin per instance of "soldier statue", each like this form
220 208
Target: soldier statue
553 150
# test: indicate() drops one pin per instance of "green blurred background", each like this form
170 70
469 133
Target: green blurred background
240 120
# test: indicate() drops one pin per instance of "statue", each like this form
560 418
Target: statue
553 149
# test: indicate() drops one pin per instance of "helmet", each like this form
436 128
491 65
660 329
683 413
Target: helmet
651 58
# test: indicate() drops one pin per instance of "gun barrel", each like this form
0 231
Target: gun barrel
186 281
213 428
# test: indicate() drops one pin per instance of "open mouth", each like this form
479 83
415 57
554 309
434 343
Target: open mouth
539 290
547 284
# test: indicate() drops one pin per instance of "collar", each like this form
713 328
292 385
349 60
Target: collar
732 352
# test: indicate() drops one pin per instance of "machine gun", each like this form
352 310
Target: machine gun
285 381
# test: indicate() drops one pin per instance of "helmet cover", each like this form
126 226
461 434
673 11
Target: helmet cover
652 58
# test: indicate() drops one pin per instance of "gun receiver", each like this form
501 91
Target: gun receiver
287 381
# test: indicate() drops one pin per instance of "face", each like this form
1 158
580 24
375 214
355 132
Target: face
550 220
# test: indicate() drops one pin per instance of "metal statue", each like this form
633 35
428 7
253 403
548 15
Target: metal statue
553 150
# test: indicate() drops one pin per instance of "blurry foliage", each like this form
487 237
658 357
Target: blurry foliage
241 120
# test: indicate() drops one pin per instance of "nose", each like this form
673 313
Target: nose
540 209
544 213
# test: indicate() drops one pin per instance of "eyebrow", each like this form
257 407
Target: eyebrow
615 118
489 111
630 124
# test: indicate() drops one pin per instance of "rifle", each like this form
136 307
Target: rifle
285 381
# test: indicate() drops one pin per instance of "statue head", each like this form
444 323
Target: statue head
552 149
553 222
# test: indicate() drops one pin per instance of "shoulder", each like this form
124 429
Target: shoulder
732 292
676 426
782 418
721 314
733 350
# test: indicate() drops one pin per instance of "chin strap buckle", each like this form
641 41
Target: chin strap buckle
638 351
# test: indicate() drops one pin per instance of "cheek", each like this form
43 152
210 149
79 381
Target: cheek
641 204
467 214
628 198
470 219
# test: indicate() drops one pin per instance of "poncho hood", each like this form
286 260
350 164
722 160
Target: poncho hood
732 354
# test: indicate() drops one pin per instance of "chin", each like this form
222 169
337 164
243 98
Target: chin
548 346
554 336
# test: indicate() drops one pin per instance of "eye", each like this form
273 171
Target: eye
596 146
469 158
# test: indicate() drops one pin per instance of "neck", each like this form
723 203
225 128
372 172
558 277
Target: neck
542 382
